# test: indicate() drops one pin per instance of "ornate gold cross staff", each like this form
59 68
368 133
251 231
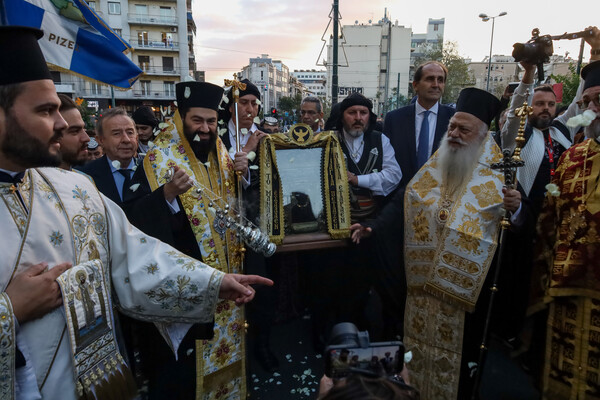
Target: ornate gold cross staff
508 166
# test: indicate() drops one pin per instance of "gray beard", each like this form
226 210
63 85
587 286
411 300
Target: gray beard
457 164
354 132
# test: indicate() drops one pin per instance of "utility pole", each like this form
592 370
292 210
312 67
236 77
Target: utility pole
334 75
398 92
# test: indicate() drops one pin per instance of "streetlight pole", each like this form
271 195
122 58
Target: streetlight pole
485 18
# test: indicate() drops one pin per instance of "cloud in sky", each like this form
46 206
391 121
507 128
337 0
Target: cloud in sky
231 31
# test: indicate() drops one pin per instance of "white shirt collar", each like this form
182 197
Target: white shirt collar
113 169
419 109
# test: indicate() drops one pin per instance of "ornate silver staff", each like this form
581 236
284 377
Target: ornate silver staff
244 228
508 165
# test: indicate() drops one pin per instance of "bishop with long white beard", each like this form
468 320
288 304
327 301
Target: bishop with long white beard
450 212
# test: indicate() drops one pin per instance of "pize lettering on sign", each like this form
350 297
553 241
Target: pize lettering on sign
347 90
61 41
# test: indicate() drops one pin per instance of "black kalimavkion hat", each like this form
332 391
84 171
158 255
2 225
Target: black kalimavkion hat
198 94
478 103
22 59
145 116
591 74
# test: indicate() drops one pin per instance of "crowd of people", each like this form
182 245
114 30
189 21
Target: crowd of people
120 264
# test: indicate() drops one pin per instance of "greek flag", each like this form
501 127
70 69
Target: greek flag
76 39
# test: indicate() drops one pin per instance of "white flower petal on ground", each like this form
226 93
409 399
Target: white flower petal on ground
258 102
196 138
408 357
222 131
221 122
116 164
163 125
243 131
256 120
292 160
251 156
225 99
207 164
175 103
254 167
187 92
134 187
134 167
150 143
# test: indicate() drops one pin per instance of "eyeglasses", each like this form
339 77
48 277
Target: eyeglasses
309 112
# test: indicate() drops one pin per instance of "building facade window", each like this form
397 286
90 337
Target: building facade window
145 86
114 8
169 87
92 5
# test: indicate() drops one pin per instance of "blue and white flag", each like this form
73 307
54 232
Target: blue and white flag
76 39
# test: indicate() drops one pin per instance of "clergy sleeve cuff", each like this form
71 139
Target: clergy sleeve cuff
8 347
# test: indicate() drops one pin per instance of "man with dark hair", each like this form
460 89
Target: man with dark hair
145 124
311 112
74 140
57 227
112 172
373 174
547 137
248 109
204 177
415 130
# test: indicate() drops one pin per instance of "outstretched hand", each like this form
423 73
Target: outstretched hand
236 287
359 232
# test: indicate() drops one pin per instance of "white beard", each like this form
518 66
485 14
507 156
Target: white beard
593 130
457 164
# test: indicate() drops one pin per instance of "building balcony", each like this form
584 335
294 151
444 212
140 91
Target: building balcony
162 71
154 45
153 94
151 19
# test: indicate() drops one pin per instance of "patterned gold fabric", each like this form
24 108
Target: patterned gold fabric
570 253
220 361
449 246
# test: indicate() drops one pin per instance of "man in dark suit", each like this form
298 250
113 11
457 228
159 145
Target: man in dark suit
112 172
414 137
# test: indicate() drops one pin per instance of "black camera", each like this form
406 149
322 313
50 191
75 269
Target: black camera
350 351
536 51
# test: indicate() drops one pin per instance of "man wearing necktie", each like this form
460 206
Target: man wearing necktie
112 173
415 131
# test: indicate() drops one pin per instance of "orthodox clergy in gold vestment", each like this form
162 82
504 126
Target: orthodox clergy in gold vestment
450 212
569 230
204 369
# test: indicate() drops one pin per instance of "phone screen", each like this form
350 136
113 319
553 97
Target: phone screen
379 358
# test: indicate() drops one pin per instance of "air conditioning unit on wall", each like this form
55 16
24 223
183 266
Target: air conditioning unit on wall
173 29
